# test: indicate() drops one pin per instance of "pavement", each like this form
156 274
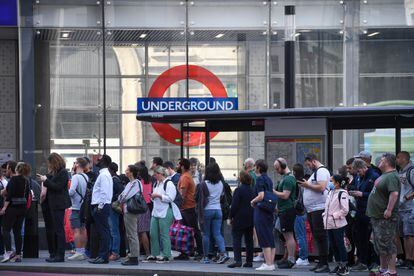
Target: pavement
38 267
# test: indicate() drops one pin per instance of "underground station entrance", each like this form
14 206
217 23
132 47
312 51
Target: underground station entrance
285 125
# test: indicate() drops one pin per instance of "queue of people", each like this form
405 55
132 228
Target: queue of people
359 217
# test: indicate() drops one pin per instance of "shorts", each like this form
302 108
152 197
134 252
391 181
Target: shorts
384 231
287 220
75 220
406 223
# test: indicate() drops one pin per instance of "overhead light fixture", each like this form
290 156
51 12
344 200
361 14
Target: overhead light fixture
373 34
65 34
297 34
219 36
143 36
365 31
305 31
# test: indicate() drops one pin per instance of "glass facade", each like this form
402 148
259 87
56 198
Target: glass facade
84 63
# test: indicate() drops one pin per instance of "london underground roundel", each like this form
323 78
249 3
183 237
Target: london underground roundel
171 76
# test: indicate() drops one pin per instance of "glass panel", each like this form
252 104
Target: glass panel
407 141
386 13
348 143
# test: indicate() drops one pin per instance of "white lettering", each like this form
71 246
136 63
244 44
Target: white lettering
145 108
220 105
229 105
201 106
163 106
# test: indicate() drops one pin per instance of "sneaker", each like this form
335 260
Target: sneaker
77 257
281 261
335 270
114 257
248 265
215 258
302 262
286 265
150 258
258 258
314 268
265 267
205 260
342 271
182 257
223 258
7 256
130 261
233 265
16 259
162 260
198 257
360 267
408 264
323 269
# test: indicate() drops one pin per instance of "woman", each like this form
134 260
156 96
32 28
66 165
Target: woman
263 220
162 216
130 220
334 220
14 211
211 215
300 221
55 184
241 216
144 219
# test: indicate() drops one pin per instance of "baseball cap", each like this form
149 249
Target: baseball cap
363 154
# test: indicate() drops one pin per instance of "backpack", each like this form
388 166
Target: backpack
352 207
226 198
178 198
298 203
408 176
29 195
85 209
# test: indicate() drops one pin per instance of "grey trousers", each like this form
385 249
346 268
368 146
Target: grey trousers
130 221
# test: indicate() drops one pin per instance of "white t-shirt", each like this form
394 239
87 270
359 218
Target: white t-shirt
3 183
315 201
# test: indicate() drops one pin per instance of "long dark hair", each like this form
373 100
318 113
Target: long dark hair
213 173
143 173
298 171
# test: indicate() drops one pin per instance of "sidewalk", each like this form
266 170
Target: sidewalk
176 268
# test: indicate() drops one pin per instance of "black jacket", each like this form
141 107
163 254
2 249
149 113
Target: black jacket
241 211
57 190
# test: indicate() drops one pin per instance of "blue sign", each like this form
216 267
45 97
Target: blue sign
8 12
146 105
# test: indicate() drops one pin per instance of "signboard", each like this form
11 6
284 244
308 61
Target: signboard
145 105
4 157
171 76
8 13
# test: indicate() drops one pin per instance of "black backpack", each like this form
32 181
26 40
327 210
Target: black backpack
298 203
178 198
85 209
225 200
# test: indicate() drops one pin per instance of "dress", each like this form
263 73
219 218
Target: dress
264 221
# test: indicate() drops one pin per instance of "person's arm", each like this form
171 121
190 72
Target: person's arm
235 203
59 182
183 185
391 203
283 195
74 185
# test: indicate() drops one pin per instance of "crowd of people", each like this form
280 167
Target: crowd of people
361 217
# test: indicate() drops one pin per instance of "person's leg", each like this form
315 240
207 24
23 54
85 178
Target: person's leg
155 236
300 232
115 234
342 255
17 229
208 216
290 245
8 223
58 222
143 239
102 226
320 236
248 240
130 221
165 224
269 255
191 220
50 229
237 235
218 237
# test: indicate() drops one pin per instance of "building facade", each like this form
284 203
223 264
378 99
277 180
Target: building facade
71 72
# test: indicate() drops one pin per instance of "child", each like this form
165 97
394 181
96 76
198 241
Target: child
336 209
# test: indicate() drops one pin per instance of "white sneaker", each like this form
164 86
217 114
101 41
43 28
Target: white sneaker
258 258
266 267
77 257
7 256
301 262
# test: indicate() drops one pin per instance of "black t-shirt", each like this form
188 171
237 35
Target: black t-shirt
16 188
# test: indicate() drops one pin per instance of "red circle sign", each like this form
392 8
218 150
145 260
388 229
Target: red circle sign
173 75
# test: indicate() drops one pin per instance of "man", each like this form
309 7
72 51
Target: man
382 208
314 197
101 205
405 211
114 216
249 167
77 192
363 185
156 161
194 163
366 156
172 174
286 191
187 188
91 247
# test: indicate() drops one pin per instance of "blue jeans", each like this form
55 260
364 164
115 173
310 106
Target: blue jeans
101 219
115 235
300 233
212 226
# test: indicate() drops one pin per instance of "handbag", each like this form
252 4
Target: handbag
268 204
182 237
117 207
136 204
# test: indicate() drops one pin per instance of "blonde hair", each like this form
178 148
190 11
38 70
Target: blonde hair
161 170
